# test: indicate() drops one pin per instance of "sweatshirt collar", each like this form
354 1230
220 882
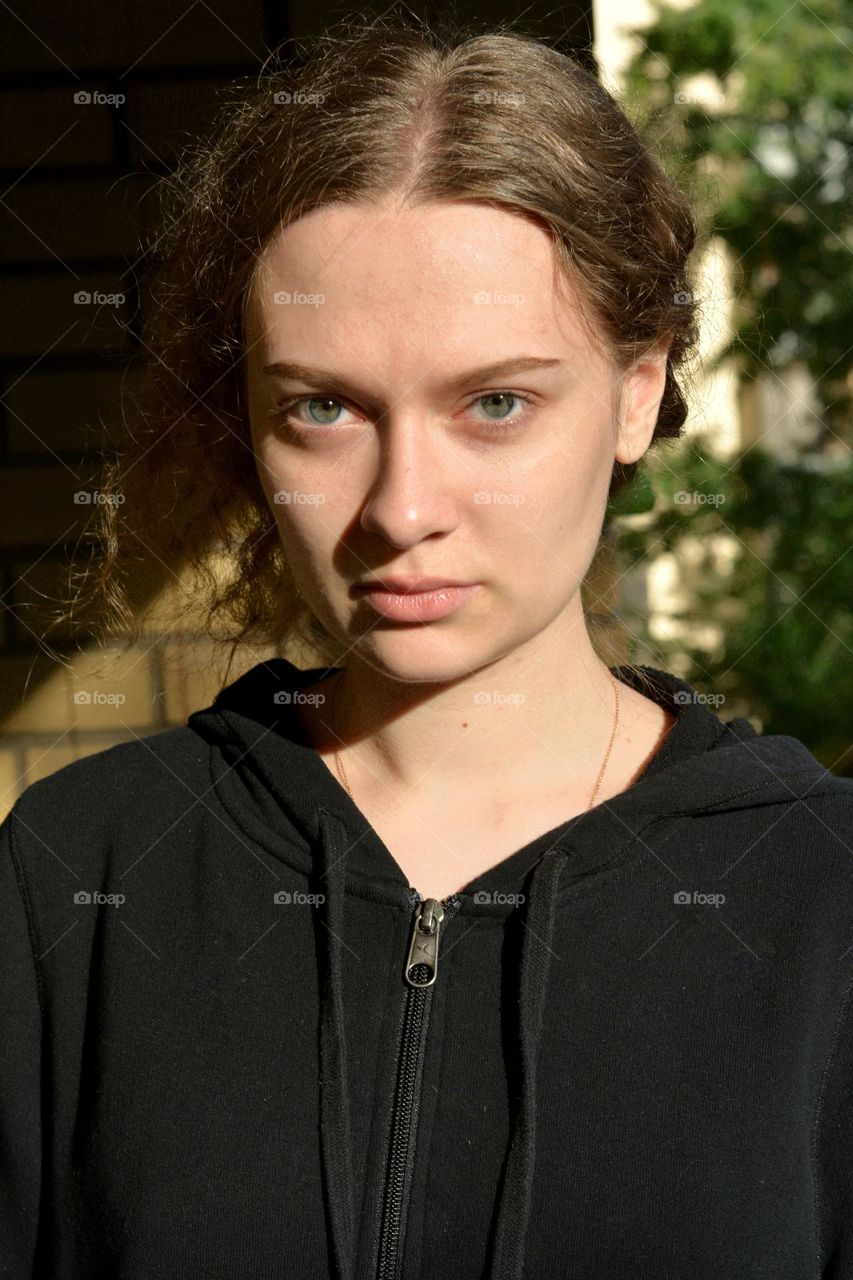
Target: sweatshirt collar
275 785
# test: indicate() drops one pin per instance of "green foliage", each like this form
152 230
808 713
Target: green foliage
768 168
780 602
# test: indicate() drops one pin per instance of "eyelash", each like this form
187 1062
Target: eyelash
281 412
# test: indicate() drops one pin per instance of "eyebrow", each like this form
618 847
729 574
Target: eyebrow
287 370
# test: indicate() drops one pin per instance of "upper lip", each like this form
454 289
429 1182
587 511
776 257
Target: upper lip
406 586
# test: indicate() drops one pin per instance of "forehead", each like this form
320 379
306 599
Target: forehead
413 282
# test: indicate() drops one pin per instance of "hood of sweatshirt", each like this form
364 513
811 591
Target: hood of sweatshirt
267 772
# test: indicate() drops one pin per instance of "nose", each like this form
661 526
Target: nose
413 494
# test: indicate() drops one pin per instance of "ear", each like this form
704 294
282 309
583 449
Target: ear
642 391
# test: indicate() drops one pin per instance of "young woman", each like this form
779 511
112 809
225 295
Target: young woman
462 953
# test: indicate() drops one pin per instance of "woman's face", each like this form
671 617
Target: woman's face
400 459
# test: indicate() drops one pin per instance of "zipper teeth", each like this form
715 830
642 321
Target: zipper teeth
401 1128
417 1002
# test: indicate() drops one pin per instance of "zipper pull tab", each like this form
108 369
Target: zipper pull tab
423 948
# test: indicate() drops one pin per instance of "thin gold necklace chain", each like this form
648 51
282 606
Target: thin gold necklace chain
615 684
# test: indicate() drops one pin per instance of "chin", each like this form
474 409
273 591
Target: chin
414 656
438 653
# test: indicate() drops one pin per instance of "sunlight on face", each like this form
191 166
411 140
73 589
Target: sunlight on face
396 459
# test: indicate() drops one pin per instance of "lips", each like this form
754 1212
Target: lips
409 586
420 606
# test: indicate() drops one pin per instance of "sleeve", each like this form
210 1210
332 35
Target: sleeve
20 1072
834 1150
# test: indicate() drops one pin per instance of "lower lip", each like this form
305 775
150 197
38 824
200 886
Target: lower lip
420 606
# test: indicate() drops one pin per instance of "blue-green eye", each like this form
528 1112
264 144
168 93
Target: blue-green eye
497 395
318 420
324 423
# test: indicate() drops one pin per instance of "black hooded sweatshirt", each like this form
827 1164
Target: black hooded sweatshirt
223 1057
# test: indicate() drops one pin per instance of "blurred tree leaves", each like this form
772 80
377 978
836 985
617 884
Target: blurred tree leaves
763 543
765 556
768 164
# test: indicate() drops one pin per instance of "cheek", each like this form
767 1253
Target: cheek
574 486
553 526
310 529
288 486
307 548
302 534
268 464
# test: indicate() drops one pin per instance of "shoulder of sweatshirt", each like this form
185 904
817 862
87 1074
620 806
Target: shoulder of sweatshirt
89 806
138 791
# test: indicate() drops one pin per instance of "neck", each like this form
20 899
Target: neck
519 722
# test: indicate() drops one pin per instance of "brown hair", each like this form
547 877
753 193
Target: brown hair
377 106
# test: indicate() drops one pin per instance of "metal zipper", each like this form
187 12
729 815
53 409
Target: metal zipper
429 924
